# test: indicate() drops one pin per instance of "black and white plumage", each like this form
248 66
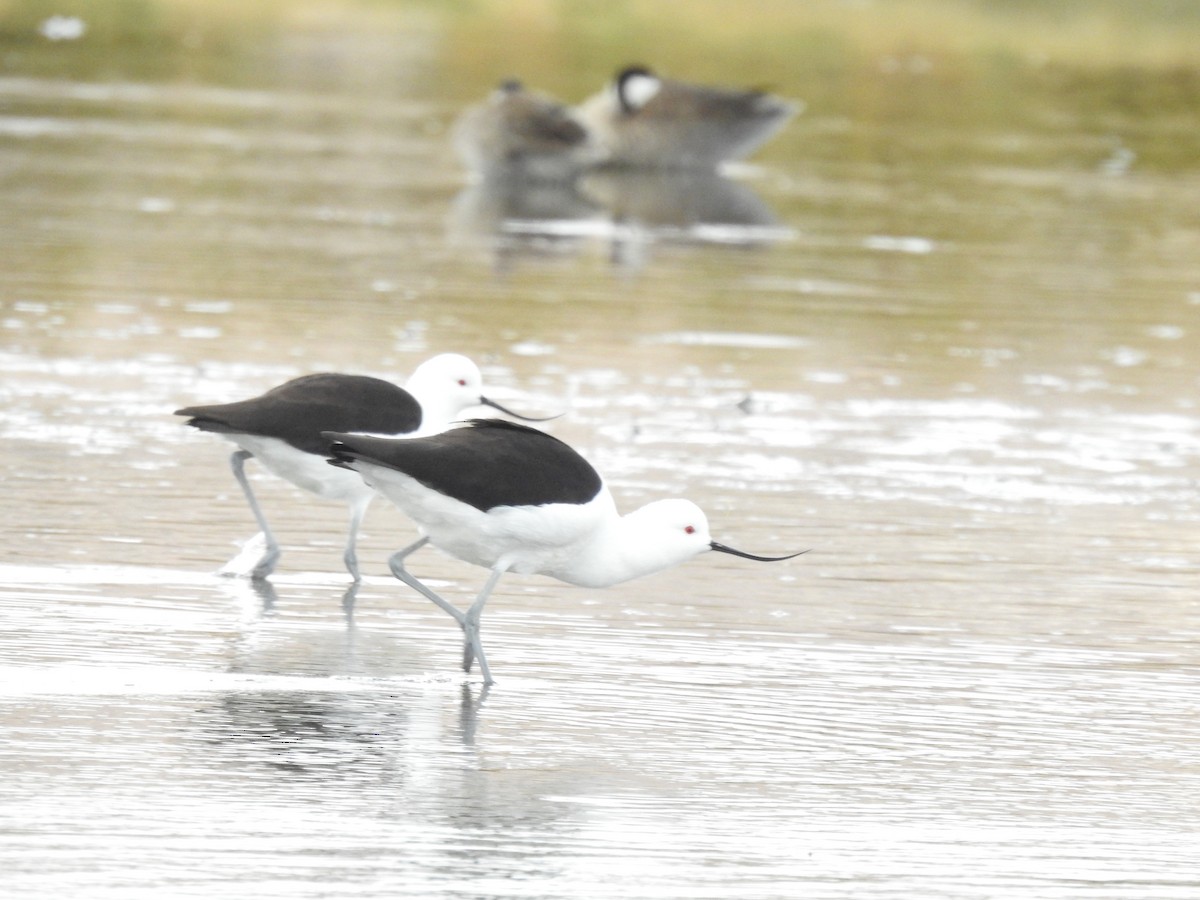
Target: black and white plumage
514 499
282 430
523 134
643 120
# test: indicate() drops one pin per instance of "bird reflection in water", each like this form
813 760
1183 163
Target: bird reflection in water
262 595
627 210
641 163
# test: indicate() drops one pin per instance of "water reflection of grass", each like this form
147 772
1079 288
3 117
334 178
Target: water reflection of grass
780 40
941 61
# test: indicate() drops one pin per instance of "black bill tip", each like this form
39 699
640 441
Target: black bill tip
723 549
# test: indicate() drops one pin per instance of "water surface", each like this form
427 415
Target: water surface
955 357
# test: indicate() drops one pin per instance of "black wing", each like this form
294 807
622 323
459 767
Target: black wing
487 463
297 411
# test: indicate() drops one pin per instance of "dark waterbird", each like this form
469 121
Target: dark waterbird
644 120
523 134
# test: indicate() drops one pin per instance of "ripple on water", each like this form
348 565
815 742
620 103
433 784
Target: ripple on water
671 741
980 683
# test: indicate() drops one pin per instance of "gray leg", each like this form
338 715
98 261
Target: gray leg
469 621
472 646
266 565
357 511
396 564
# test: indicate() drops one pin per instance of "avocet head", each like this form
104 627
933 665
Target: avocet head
446 385
673 531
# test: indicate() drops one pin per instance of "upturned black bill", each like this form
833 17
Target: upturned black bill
484 401
723 549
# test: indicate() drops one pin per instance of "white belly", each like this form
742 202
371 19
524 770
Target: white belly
305 470
527 539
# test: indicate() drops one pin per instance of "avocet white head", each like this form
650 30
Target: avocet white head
444 386
282 429
511 498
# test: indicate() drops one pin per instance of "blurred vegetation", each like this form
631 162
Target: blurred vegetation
960 56
785 39
828 37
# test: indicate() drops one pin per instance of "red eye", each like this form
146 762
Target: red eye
689 530
462 382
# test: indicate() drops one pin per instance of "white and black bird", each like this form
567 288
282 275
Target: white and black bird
514 499
523 134
282 430
642 120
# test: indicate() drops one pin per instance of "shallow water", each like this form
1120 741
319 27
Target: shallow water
958 364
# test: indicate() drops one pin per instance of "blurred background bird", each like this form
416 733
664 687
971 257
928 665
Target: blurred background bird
644 120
